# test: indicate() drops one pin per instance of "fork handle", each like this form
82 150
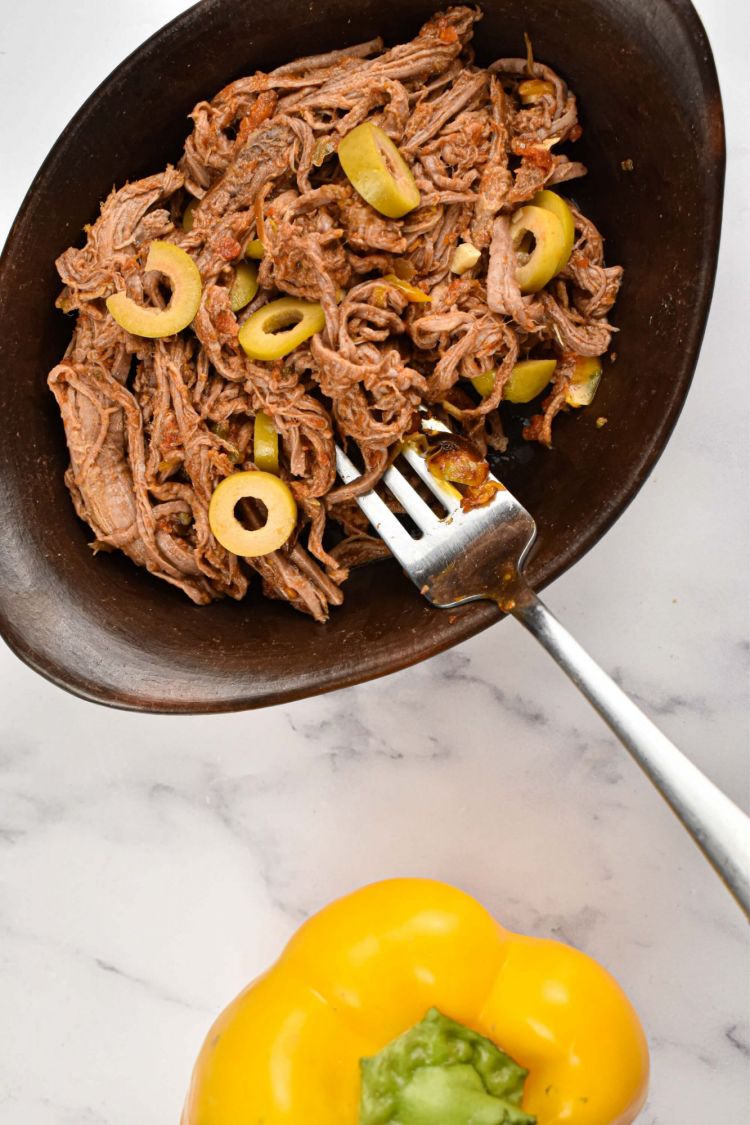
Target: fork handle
716 824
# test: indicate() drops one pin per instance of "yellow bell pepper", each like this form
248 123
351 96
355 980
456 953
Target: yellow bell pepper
369 967
411 292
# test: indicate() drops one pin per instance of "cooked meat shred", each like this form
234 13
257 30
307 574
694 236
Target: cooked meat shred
154 425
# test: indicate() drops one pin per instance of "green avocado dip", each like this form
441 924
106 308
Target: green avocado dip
441 1073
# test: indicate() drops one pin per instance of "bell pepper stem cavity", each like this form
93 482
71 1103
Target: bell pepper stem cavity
441 1071
452 1095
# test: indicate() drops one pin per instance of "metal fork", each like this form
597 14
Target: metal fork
466 556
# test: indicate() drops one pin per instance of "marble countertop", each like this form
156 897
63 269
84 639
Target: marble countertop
150 866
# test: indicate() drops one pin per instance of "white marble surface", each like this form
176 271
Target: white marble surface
150 866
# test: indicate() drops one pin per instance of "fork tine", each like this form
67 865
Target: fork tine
456 558
407 495
391 531
346 469
422 469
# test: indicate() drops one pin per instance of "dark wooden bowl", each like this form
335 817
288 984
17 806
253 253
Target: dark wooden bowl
109 632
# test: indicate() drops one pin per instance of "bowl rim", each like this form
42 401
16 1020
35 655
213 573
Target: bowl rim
466 625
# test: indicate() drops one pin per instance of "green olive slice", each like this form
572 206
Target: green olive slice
255 249
555 203
185 279
188 217
584 382
527 380
539 263
265 443
484 384
377 170
280 505
280 326
244 286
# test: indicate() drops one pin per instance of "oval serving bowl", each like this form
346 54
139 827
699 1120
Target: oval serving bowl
101 628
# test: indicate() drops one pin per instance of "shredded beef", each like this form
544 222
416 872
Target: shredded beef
154 425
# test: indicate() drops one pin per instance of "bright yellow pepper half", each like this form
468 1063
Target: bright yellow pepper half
368 967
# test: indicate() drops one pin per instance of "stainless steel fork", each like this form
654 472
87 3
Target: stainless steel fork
466 556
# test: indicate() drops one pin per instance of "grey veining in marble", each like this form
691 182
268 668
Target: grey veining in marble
149 867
